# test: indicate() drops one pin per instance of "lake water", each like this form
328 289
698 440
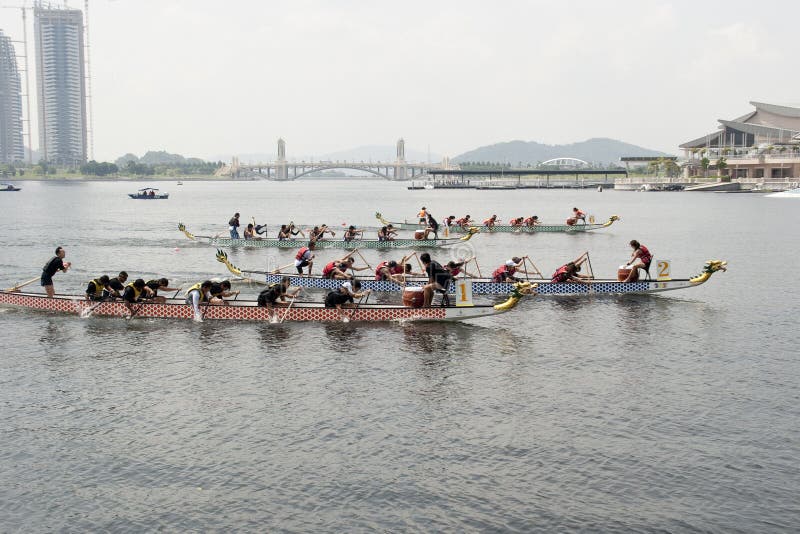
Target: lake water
676 412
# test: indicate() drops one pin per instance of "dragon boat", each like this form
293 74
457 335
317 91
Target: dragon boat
507 228
242 310
486 286
327 243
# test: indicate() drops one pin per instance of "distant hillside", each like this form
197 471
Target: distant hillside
597 150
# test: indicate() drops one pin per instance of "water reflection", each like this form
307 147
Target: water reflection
344 337
274 336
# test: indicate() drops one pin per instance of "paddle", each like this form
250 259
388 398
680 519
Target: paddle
276 271
353 312
23 284
87 312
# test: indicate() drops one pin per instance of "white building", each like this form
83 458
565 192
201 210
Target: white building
11 147
61 85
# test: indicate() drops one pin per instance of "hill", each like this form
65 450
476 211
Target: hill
598 150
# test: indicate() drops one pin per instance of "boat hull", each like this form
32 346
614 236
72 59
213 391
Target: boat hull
149 197
329 243
485 286
538 229
241 310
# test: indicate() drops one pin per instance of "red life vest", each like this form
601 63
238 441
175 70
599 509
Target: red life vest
499 274
301 253
397 269
560 275
488 221
461 222
326 272
645 255
529 221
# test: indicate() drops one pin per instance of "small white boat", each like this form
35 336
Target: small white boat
8 187
790 193
179 183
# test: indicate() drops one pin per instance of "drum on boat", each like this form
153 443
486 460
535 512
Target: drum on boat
419 235
413 297
571 221
623 272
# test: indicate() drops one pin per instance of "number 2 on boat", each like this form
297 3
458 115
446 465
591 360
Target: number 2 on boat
463 292
662 270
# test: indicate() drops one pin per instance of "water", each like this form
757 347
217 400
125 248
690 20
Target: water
676 412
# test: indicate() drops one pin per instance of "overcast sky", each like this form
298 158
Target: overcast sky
204 78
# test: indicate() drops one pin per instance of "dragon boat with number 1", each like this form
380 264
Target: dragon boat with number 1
241 310
327 243
507 228
486 286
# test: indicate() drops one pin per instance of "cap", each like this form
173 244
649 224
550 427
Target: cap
510 263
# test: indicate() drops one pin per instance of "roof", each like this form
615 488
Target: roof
786 111
149 189
701 142
760 129
647 158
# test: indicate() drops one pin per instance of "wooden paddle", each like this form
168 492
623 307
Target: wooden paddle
276 271
23 284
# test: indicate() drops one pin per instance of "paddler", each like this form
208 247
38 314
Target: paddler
220 290
464 222
200 292
533 220
162 284
50 268
569 272
269 297
387 233
506 272
337 269
136 292
490 222
98 289
345 295
577 215
351 233
516 222
304 258
117 284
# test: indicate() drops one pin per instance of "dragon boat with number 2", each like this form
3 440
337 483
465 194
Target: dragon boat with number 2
507 228
486 286
242 310
327 243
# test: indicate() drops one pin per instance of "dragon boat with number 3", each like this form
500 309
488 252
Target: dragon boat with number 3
327 243
486 286
507 228
241 310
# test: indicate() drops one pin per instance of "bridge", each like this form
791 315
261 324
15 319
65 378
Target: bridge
284 170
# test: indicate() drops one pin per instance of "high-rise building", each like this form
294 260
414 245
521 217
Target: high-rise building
11 147
61 85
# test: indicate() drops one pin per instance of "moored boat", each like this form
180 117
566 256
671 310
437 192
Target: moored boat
326 243
148 193
241 310
8 187
486 286
507 228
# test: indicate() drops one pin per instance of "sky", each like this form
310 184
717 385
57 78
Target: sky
207 78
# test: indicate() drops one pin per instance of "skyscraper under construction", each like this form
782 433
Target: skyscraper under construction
11 147
61 85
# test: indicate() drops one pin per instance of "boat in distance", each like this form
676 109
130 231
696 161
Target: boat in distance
148 193
242 310
486 286
9 187
326 243
507 228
